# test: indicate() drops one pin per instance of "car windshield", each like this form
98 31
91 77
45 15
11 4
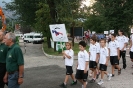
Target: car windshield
37 36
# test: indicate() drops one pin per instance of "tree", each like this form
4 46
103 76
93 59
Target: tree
25 9
117 14
41 13
55 12
95 23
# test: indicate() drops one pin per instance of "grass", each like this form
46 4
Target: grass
51 51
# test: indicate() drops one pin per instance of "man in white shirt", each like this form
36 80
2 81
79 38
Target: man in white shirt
122 40
114 54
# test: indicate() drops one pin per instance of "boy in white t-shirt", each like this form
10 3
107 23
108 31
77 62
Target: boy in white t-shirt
131 48
114 53
122 40
94 56
82 66
68 55
103 60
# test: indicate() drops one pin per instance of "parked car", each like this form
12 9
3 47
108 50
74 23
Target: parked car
33 37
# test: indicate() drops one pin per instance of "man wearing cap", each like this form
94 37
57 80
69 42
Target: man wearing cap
3 53
14 62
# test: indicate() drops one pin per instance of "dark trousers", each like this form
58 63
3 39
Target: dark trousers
2 74
123 56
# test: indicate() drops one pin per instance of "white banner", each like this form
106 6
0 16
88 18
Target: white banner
93 32
112 31
58 32
106 32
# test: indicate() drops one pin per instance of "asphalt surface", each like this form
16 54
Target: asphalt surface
48 77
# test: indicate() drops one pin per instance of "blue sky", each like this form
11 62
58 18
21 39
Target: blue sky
2 4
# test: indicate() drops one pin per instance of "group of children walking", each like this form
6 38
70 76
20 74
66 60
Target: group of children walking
96 59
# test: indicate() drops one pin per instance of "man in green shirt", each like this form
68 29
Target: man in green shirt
14 62
3 53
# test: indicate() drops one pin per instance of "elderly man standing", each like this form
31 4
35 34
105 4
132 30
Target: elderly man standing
3 53
14 62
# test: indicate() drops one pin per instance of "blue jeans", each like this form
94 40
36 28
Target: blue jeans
13 80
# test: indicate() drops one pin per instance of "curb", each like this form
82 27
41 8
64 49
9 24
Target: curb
55 57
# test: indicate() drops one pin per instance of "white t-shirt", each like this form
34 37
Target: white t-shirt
107 37
94 49
104 53
131 38
69 62
83 56
98 47
122 40
127 39
113 46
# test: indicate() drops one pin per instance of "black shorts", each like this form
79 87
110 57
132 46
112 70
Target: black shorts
103 67
81 75
114 60
69 70
92 64
131 54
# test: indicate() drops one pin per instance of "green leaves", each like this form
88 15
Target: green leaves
25 9
112 14
61 11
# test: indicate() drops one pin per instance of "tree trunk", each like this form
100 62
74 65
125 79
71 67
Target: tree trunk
53 14
73 36
48 42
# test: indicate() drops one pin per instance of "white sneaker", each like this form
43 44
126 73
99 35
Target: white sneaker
86 83
100 82
82 86
109 77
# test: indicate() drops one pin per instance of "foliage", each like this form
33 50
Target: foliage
95 23
25 9
113 14
43 19
66 11
56 12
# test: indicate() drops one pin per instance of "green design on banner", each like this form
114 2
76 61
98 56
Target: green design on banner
59 47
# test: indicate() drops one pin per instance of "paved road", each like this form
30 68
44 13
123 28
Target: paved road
41 72
48 77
